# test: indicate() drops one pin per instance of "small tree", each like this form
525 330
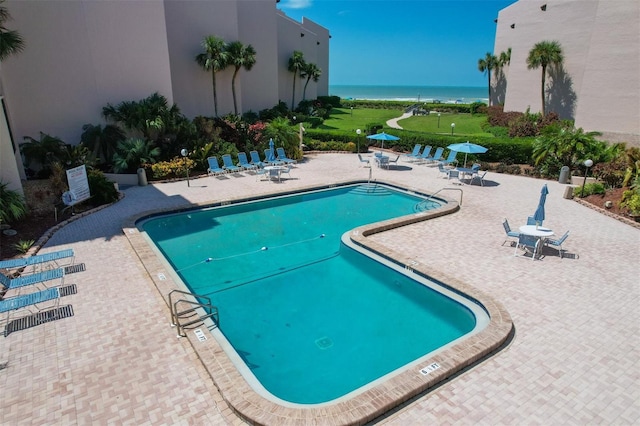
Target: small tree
11 42
240 56
486 65
134 153
296 63
310 72
213 59
543 55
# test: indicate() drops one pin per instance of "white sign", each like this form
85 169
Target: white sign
78 184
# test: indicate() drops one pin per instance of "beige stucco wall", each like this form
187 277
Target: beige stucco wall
599 84
79 56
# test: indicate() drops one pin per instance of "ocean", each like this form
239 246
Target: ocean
444 94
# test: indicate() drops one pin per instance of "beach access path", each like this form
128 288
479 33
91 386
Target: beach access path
393 123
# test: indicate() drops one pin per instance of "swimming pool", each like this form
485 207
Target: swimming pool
286 286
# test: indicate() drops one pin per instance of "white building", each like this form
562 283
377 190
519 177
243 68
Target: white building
599 83
82 54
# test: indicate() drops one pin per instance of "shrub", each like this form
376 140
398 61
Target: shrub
12 204
316 145
589 189
177 167
631 201
101 188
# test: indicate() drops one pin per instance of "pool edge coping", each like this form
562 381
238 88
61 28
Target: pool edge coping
372 403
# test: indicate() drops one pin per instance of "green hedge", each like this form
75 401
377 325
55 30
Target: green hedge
403 105
500 149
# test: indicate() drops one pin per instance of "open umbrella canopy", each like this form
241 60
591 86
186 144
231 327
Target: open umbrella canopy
383 137
272 154
538 216
468 148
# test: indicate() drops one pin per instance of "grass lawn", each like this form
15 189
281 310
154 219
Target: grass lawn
343 119
346 120
466 124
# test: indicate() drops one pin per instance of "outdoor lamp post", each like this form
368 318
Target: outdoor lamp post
453 126
352 111
294 119
184 153
587 164
438 120
358 139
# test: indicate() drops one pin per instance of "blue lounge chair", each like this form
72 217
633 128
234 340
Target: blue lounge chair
214 168
13 303
424 156
414 154
36 260
437 156
275 162
558 243
25 280
282 156
255 159
478 176
451 158
244 163
227 164
508 231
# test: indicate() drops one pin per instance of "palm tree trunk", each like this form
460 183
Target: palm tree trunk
544 73
233 90
293 96
489 84
304 91
215 95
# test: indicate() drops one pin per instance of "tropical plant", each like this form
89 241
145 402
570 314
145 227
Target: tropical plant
296 64
544 54
239 56
504 59
101 141
310 71
23 246
486 65
565 145
102 189
134 153
12 204
213 59
44 152
284 135
11 42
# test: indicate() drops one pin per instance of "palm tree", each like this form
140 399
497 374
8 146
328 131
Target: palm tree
240 56
214 59
133 153
544 54
296 63
285 135
101 141
486 65
309 71
505 58
11 42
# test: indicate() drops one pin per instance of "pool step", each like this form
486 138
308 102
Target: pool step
370 189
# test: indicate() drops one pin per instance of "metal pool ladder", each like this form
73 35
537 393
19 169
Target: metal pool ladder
195 312
443 189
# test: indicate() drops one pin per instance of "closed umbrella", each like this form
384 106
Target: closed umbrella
272 156
383 137
538 216
468 148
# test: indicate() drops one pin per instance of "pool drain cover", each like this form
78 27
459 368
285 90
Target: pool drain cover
324 343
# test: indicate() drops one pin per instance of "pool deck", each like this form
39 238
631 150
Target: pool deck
574 358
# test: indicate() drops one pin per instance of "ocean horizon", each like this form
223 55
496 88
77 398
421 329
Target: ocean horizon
444 94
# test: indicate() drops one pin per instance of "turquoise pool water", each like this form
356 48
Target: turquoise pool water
312 318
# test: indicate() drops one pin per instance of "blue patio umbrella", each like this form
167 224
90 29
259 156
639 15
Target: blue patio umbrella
538 216
468 148
383 137
272 156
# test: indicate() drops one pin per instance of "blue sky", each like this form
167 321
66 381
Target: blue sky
404 42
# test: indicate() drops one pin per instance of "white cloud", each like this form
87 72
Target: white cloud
296 4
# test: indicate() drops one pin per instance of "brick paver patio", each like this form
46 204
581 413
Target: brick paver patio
574 358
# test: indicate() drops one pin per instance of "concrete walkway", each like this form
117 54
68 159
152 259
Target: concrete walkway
574 359
393 123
